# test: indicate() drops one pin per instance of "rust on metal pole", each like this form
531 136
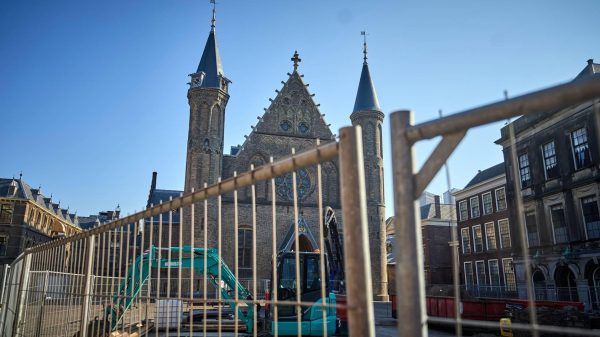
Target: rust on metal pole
410 286
354 214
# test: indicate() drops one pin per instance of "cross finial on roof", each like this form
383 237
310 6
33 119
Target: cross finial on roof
214 10
296 59
364 34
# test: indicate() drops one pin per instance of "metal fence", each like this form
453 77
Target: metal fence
108 278
409 183
143 274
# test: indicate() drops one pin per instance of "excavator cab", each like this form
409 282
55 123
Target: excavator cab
308 286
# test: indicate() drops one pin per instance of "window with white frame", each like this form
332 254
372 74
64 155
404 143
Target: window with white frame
468 273
494 272
559 226
490 236
550 162
581 150
500 199
509 274
591 217
477 239
486 198
466 240
474 201
462 210
533 237
524 171
504 231
480 271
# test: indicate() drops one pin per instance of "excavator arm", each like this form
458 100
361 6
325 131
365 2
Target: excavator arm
139 272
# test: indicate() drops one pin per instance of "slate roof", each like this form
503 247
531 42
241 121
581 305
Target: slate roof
486 174
366 97
24 191
157 195
210 63
524 122
446 212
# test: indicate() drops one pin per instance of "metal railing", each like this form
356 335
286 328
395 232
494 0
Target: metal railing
107 279
409 183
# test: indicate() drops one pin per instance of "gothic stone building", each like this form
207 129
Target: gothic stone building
558 162
292 122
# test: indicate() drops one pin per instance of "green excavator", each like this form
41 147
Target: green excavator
311 317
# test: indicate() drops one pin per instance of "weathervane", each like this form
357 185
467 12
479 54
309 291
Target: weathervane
212 21
296 60
364 34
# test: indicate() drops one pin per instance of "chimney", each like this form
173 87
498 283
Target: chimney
153 184
438 210
590 61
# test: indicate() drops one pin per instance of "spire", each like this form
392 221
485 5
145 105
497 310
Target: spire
210 63
366 97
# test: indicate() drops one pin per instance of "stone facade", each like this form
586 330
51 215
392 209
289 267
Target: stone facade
292 123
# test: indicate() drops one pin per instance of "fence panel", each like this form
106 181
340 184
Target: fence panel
192 264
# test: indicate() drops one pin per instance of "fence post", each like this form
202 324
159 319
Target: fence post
44 295
87 291
23 286
354 215
410 287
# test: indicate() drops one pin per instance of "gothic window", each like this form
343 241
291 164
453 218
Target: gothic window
284 185
550 163
303 128
285 125
216 121
245 251
581 149
380 140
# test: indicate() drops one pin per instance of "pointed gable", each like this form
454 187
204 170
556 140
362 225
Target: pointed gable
294 113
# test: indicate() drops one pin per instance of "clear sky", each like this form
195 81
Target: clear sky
93 93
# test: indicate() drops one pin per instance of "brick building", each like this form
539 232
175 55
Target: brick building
292 121
485 236
558 174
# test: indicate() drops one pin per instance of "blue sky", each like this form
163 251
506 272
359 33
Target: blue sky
93 94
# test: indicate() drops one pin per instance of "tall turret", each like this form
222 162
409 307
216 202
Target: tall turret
368 115
207 97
